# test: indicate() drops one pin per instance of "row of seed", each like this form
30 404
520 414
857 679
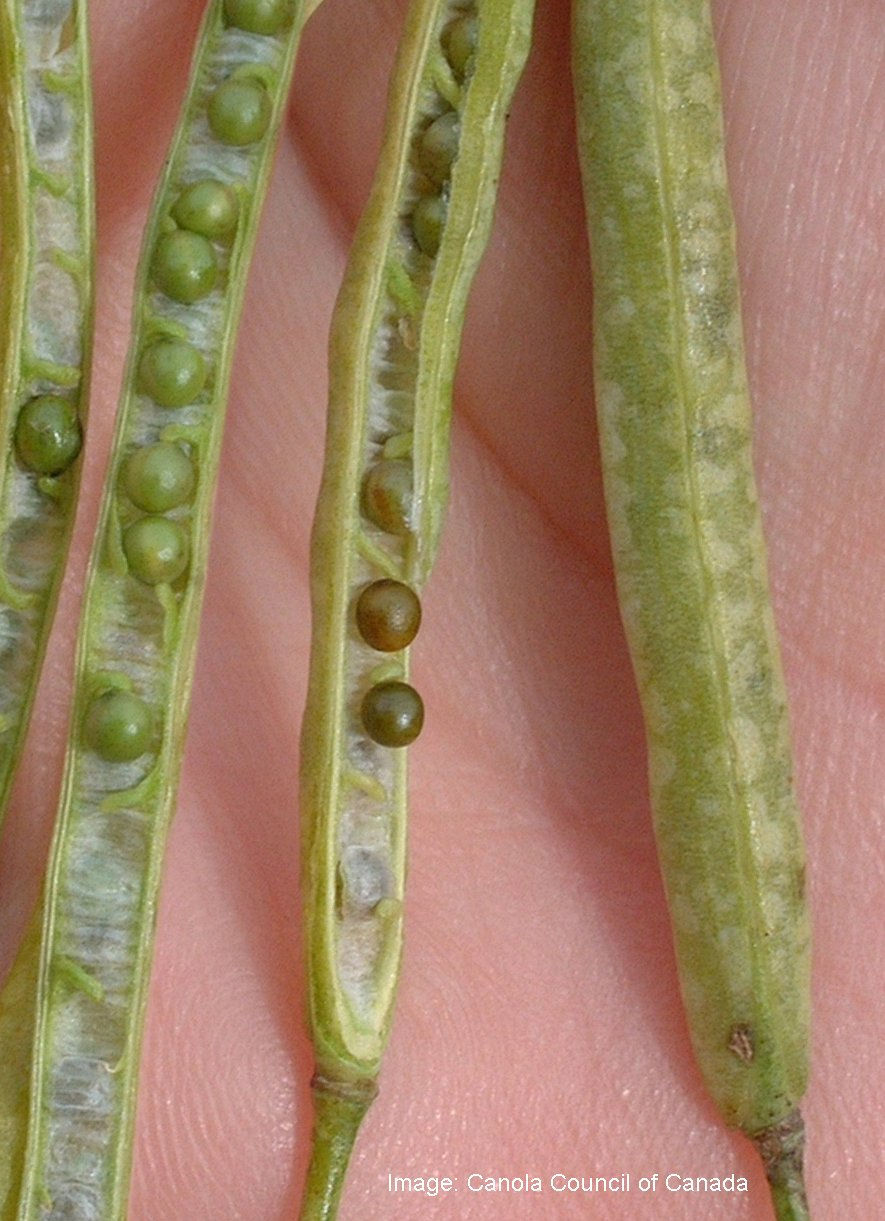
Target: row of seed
388 612
141 610
45 326
393 348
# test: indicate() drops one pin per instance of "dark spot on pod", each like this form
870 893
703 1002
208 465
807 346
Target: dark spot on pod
392 714
118 726
388 615
459 43
740 1042
207 207
387 495
239 112
156 550
438 147
428 219
47 434
184 266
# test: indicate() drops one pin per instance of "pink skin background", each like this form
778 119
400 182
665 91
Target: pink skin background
538 1028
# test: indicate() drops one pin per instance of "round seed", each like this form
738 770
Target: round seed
459 43
156 550
207 207
172 372
392 714
257 16
118 726
158 477
47 434
428 218
184 266
387 495
438 147
388 615
239 112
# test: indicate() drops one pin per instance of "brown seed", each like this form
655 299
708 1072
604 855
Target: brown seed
387 495
388 615
392 714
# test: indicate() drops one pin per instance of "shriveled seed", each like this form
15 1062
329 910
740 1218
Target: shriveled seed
387 495
459 43
184 266
156 550
172 372
239 112
392 713
159 477
118 726
438 147
207 207
428 219
258 16
388 615
47 434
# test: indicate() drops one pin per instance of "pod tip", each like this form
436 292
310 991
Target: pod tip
339 1107
782 1149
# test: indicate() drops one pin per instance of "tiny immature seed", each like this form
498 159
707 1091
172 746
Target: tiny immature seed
387 495
156 550
428 220
459 43
158 477
388 615
438 147
47 434
392 713
184 266
207 207
118 726
257 16
172 372
239 112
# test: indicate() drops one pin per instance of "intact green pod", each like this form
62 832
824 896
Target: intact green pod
46 267
674 424
394 343
135 658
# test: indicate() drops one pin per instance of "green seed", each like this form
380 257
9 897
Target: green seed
438 147
388 615
392 714
184 266
172 372
207 207
118 726
158 477
387 495
156 550
459 43
257 16
428 219
239 112
47 434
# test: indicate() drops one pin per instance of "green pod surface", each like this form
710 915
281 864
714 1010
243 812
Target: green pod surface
138 639
393 348
674 425
46 268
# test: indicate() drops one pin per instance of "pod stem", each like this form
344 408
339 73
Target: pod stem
338 1110
782 1149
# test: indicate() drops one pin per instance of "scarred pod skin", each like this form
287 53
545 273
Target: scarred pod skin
394 343
674 425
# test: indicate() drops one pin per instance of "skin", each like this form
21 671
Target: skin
562 929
